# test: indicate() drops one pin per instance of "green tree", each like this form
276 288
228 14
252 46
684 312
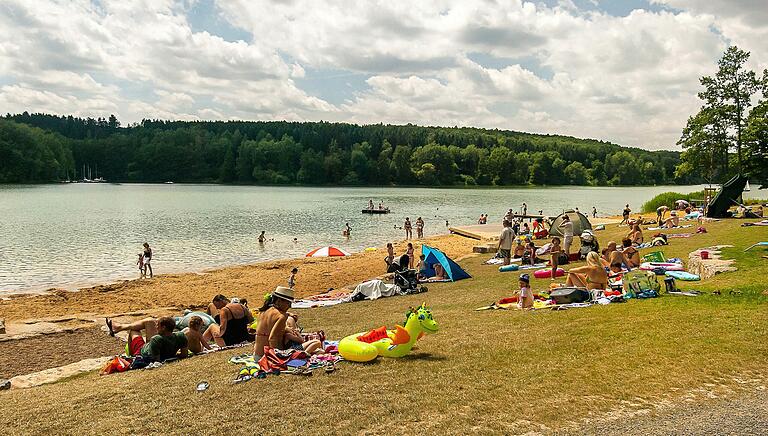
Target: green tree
576 173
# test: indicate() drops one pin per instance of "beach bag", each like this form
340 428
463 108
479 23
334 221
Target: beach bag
569 295
639 282
656 256
116 364
562 259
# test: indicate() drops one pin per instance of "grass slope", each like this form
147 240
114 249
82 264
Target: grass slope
490 371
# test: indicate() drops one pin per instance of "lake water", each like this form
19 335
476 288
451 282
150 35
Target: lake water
75 235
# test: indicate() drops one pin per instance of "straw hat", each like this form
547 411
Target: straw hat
283 292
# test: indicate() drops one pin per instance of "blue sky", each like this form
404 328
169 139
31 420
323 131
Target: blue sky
624 71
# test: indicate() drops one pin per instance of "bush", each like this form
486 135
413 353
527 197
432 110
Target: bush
669 198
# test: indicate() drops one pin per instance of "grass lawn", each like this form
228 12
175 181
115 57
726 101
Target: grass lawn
490 371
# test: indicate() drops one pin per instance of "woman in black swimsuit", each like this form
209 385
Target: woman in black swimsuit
232 321
148 258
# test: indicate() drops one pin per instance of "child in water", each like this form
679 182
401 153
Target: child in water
526 296
140 263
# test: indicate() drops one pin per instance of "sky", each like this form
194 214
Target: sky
625 71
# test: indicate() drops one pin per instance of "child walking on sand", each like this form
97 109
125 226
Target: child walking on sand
555 252
409 252
525 301
292 278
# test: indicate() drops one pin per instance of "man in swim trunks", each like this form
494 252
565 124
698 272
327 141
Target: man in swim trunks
162 342
506 239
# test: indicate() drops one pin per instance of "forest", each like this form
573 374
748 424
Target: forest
41 148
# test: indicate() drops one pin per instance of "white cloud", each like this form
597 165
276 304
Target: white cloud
489 63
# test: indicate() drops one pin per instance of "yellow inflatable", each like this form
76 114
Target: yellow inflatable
364 347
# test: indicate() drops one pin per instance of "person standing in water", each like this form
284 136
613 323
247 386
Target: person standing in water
262 237
419 228
147 259
408 229
347 232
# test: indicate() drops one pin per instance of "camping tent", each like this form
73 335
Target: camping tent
727 196
433 256
580 223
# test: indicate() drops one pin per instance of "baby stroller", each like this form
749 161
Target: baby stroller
588 243
408 281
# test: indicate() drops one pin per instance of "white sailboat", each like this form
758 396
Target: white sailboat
746 188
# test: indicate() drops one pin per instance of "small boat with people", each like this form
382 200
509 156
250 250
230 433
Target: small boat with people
371 209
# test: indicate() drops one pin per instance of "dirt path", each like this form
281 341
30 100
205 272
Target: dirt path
745 414
25 356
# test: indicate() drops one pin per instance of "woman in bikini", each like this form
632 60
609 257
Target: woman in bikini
233 320
147 260
590 276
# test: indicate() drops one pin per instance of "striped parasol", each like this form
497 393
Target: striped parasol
328 251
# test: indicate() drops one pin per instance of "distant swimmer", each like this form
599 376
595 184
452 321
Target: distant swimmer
347 230
262 237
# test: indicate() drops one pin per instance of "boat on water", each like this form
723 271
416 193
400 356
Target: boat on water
376 211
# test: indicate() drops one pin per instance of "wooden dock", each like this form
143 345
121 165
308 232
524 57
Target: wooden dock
481 232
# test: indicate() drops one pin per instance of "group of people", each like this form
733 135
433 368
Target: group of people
145 262
408 227
407 261
225 323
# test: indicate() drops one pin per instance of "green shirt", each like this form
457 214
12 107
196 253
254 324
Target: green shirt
164 347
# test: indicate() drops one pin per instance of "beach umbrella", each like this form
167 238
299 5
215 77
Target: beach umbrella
328 251
682 203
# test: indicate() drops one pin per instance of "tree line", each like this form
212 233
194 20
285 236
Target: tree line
45 148
729 134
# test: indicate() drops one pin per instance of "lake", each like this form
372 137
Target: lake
74 235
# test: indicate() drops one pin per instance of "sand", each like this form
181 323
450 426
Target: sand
195 290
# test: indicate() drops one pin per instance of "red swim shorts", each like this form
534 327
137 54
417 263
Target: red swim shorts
134 347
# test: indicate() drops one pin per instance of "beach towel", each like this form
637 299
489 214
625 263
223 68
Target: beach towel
671 228
679 235
308 304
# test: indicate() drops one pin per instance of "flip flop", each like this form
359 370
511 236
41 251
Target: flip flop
109 326
330 368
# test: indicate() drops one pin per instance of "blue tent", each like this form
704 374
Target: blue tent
433 256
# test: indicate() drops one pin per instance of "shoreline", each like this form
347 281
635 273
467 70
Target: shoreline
195 289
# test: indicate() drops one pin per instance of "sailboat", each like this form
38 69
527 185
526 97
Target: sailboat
746 188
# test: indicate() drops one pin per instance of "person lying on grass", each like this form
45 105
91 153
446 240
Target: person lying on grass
232 320
273 329
590 276
162 342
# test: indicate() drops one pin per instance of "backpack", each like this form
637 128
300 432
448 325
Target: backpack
562 259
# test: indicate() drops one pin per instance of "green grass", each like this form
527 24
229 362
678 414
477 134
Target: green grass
491 371
668 199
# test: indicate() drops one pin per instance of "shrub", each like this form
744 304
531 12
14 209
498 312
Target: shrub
669 198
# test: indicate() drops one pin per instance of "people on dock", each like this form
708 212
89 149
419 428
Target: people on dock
408 228
232 321
506 238
147 260
419 228
590 276
567 228
370 204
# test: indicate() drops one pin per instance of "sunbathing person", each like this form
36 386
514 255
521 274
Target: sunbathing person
630 255
233 320
161 341
194 333
672 221
590 276
636 234
519 249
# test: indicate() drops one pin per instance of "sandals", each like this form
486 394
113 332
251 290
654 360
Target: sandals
109 326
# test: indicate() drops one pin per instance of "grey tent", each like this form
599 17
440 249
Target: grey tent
580 223
727 196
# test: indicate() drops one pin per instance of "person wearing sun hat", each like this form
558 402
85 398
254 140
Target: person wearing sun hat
526 296
272 331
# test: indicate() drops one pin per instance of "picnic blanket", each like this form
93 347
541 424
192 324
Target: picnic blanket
285 362
670 228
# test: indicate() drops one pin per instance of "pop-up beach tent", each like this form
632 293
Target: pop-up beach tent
433 256
580 223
